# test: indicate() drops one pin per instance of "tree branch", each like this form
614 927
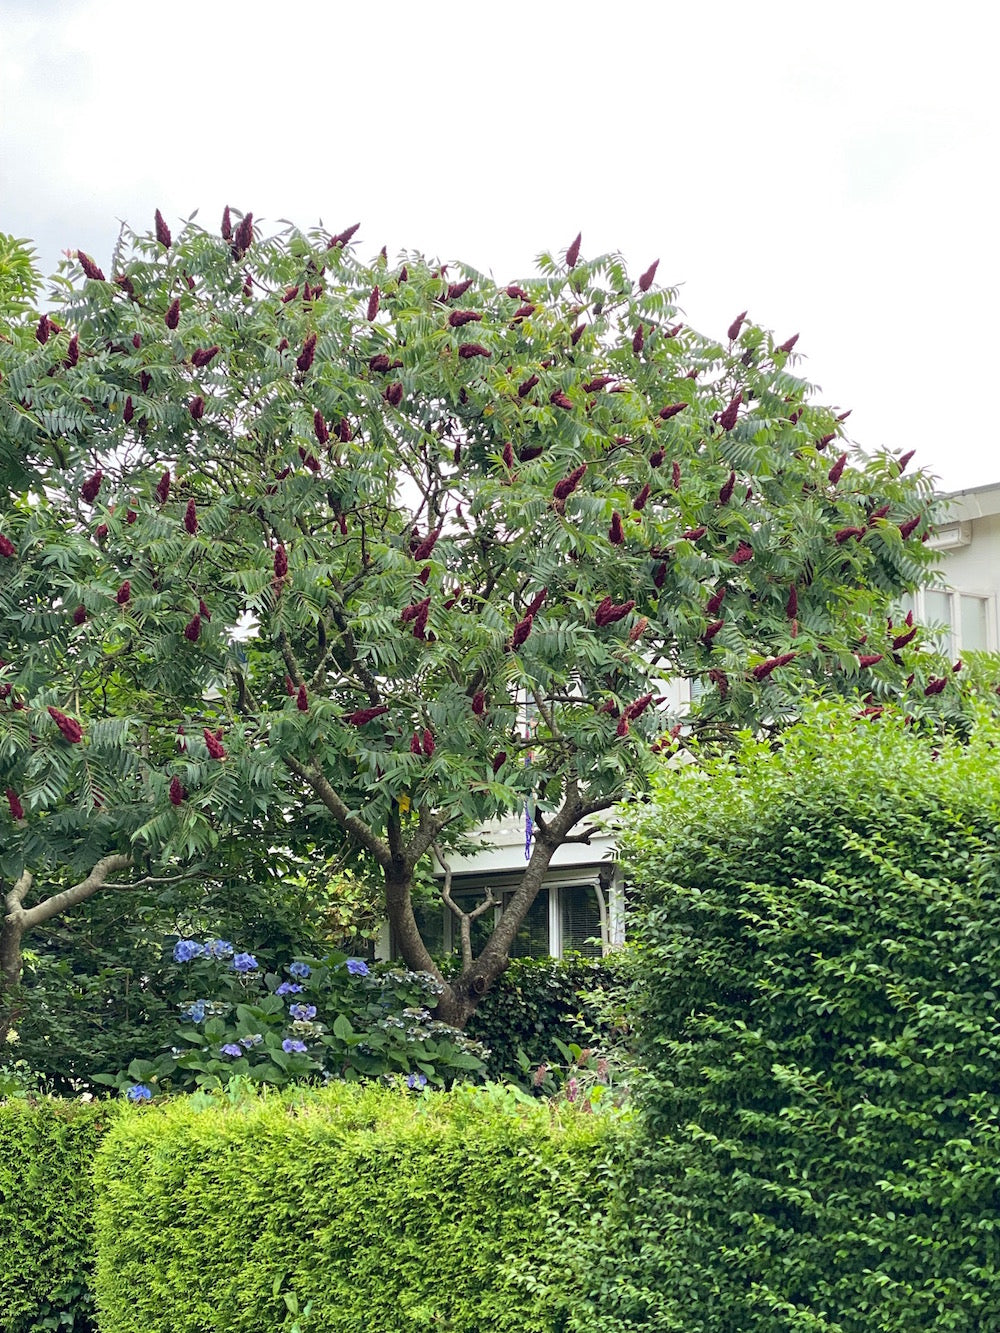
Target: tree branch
340 811
78 893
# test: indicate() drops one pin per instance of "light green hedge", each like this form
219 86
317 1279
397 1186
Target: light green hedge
348 1208
46 1213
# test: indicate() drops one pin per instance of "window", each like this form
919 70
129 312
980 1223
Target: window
964 622
570 916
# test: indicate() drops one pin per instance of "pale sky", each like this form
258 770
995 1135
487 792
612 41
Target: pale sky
830 167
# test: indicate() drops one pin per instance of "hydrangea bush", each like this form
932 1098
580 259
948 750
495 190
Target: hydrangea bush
335 1018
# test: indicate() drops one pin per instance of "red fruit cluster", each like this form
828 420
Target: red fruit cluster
201 356
499 759
162 231
671 410
564 489
869 659
742 554
788 344
763 669
526 386
733 331
425 548
192 630
197 407
280 563
13 800
128 411
616 533
711 631
69 727
694 534
843 535
457 289
646 281
163 487
91 486
837 471
469 350
560 399
535 605
726 490
176 791
7 547
80 615
608 613
727 419
173 316
124 593
417 613
639 501
458 318
243 236
901 640
305 358
521 631
214 744
910 526
373 303
715 601
573 253
90 269
342 237
394 393
302 700
363 715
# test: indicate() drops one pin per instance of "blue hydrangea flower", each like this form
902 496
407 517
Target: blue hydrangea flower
302 1012
194 1011
185 950
252 1039
290 1046
219 949
357 967
299 970
139 1093
416 1081
231 1048
245 962
288 988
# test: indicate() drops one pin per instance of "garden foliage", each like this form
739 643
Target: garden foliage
821 951
46 1213
344 1209
292 536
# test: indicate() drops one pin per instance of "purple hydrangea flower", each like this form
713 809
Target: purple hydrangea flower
288 988
302 1012
299 970
185 950
231 1048
194 1011
245 962
219 949
252 1039
139 1093
357 967
290 1046
416 1081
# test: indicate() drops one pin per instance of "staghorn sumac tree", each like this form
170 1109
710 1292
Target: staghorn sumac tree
313 533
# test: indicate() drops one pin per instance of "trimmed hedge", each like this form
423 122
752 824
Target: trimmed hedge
46 1213
345 1208
821 948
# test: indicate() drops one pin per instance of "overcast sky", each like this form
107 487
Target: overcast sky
831 167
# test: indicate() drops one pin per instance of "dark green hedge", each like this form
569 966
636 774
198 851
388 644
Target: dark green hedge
46 1213
538 1001
821 1020
349 1208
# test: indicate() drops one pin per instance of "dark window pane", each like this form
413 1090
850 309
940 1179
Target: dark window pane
532 940
580 920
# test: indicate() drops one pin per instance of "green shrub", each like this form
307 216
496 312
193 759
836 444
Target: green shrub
46 1213
539 1002
346 1208
821 953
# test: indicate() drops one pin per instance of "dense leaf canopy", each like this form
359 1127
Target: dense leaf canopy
289 531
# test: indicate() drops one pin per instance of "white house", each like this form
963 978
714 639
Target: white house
582 906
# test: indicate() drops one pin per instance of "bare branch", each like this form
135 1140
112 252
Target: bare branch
77 893
465 919
340 811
